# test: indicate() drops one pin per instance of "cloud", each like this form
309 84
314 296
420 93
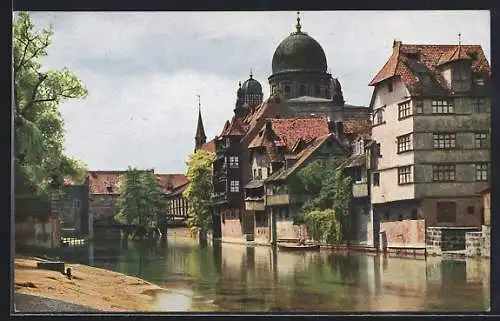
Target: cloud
144 69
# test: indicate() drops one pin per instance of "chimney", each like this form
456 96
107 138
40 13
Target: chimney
339 130
396 44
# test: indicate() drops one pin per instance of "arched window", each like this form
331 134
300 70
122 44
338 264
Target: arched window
318 91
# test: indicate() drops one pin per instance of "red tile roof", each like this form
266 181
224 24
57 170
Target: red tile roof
209 147
291 130
104 182
107 182
457 53
304 156
235 128
358 127
400 63
170 182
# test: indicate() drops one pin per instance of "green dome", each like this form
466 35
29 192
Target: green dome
252 86
299 52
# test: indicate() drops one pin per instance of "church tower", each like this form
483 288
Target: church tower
200 138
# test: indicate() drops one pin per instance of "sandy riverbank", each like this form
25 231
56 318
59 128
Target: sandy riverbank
93 287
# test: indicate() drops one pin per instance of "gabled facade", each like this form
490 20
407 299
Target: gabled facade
431 112
280 149
231 170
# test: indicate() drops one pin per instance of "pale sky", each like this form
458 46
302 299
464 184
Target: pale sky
143 70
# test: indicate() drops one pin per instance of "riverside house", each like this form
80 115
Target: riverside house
281 148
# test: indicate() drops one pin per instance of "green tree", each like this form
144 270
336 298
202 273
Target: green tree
39 127
140 202
199 191
325 214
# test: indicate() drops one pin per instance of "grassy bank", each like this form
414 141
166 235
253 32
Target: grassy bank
93 287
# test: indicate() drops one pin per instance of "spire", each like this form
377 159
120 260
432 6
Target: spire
298 26
200 137
459 39
251 73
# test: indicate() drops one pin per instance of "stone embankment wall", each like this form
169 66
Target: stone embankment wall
478 243
443 239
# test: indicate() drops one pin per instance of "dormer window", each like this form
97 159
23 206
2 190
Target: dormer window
424 79
461 72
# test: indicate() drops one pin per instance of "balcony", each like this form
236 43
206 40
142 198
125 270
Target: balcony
360 189
219 198
254 204
285 199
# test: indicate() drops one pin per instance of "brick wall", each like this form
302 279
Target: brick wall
406 233
441 239
486 250
473 243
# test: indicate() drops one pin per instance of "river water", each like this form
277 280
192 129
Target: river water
238 278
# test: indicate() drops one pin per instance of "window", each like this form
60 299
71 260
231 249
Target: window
260 173
378 117
481 140
481 172
389 86
443 173
235 186
470 210
446 212
233 162
254 173
404 109
480 82
228 142
378 152
444 141
376 179
442 107
404 143
419 106
461 72
357 174
404 175
478 105
318 91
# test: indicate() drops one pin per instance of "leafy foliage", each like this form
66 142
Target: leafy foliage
199 190
141 200
39 127
326 212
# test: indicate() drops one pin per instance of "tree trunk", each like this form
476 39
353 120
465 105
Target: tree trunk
202 237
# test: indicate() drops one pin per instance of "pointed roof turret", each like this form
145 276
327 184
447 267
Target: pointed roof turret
200 130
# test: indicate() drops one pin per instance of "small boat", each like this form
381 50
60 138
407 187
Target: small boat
297 247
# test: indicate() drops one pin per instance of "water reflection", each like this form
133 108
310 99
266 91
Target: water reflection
232 277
